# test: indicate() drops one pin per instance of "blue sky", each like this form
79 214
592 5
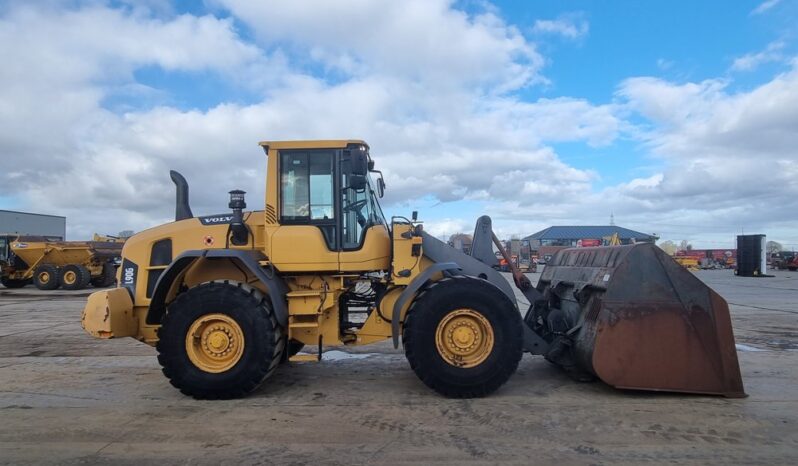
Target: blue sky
677 117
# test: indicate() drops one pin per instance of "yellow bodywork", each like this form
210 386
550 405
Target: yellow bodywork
316 277
59 254
109 314
688 262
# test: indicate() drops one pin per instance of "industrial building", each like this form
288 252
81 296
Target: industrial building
25 223
573 236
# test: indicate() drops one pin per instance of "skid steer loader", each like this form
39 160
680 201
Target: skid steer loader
226 298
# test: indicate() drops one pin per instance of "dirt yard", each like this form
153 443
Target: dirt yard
67 398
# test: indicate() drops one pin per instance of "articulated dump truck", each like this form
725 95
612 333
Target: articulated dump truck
48 264
227 298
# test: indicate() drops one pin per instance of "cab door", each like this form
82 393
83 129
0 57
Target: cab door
365 239
307 238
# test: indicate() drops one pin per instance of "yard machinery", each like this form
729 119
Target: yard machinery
227 298
50 264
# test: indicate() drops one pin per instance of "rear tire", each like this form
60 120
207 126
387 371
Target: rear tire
238 315
107 278
447 311
12 283
45 277
74 277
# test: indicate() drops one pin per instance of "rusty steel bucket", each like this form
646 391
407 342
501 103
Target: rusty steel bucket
634 318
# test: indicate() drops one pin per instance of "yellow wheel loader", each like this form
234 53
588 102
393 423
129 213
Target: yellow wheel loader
227 298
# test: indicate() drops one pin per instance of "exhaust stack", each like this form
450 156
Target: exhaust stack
182 209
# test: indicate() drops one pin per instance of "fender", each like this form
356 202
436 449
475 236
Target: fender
410 291
249 259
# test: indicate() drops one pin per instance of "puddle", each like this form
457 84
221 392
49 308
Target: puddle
746 348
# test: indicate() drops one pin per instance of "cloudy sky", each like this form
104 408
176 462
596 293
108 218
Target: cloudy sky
678 117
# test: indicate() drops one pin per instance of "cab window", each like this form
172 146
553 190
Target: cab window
306 191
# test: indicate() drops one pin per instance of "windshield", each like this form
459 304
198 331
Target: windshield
360 211
379 217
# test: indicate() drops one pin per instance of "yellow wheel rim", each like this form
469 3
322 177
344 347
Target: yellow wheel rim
215 343
464 338
70 277
44 277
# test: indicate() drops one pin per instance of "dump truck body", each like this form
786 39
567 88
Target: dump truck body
50 264
226 298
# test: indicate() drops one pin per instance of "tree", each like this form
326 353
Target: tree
773 247
685 246
668 246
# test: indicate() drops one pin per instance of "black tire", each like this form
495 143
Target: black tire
46 277
432 306
13 282
74 277
107 278
264 340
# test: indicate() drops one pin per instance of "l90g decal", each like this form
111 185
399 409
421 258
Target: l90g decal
216 219
130 273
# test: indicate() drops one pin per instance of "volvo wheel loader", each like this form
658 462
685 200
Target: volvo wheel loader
227 298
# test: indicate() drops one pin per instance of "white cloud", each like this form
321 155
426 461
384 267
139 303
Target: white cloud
444 122
729 158
424 40
570 27
750 61
420 103
765 6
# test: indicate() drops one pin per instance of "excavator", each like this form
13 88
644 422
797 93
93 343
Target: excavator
227 298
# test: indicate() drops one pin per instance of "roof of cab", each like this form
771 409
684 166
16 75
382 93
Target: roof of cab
313 144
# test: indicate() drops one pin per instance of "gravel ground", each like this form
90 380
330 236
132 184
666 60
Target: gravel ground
67 398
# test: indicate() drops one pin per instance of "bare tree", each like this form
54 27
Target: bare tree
773 247
685 246
668 246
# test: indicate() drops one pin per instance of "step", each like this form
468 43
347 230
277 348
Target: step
303 293
304 325
305 358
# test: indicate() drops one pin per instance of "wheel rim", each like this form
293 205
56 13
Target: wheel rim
464 338
70 277
214 343
44 277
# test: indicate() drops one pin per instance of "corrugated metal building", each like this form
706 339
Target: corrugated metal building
24 223
572 235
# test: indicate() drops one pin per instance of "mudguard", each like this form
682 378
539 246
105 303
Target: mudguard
249 259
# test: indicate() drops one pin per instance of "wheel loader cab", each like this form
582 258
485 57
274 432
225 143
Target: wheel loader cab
322 212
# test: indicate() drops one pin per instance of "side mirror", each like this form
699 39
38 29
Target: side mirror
381 186
380 180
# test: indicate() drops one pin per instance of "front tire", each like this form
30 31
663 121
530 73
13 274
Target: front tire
463 337
219 340
46 277
12 283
